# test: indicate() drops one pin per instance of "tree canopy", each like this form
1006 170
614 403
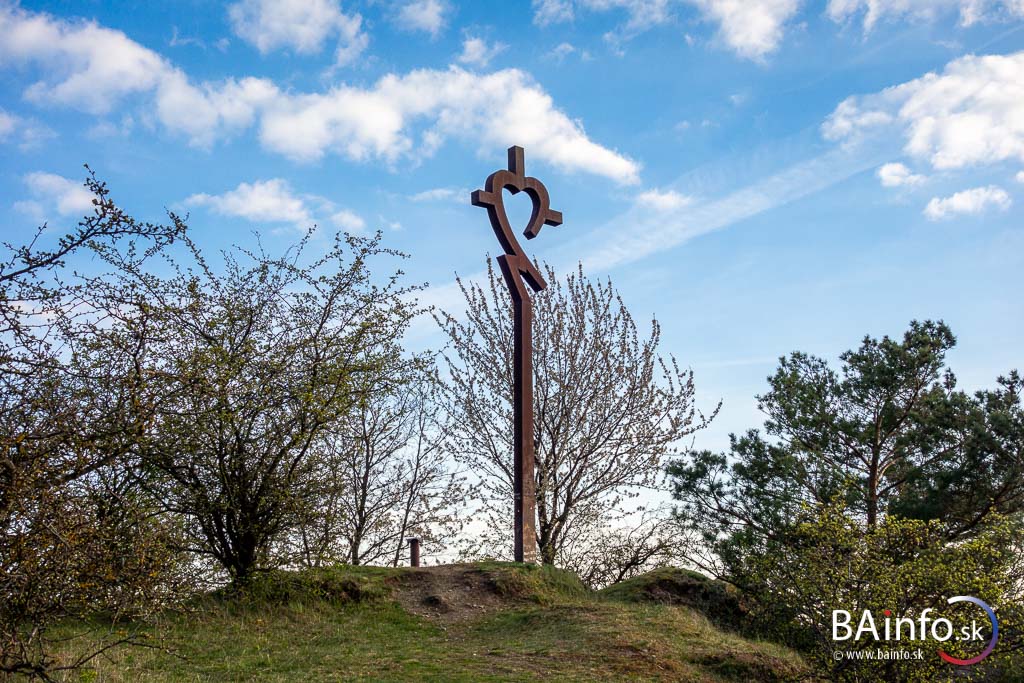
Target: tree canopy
888 434
880 486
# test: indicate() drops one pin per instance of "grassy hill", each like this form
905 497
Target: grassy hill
472 622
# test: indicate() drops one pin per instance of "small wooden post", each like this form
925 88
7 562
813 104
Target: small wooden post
414 552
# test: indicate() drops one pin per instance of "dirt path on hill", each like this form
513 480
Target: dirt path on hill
450 593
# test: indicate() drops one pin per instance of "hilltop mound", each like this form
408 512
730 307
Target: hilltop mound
457 592
716 600
469 622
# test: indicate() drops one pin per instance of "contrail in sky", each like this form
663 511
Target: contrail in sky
641 231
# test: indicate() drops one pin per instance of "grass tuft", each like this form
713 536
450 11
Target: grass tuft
542 584
716 600
340 584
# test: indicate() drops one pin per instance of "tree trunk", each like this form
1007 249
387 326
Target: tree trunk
872 497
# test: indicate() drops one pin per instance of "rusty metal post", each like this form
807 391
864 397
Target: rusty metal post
414 552
523 481
519 271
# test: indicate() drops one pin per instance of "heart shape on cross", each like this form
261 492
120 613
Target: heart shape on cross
515 181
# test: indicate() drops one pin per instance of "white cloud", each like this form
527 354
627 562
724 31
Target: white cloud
348 220
1020 176
109 129
26 133
178 40
8 123
210 111
849 120
562 50
547 12
423 15
973 201
476 51
350 46
495 110
667 200
389 224
642 14
67 196
264 200
90 67
971 114
898 175
439 194
970 11
302 25
274 202
752 28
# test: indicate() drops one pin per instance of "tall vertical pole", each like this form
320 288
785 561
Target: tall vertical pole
523 478
519 272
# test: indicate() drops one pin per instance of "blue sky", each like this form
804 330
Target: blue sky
761 175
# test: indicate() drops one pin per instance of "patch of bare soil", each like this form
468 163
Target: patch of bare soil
450 593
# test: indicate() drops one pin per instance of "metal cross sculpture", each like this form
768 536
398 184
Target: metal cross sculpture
516 267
